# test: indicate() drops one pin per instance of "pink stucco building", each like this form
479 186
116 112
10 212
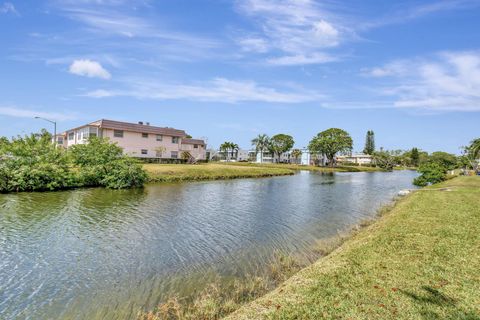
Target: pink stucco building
140 139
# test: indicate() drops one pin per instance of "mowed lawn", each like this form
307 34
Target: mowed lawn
208 171
419 261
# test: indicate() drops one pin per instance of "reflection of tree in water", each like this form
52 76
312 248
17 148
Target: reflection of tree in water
27 210
437 305
104 207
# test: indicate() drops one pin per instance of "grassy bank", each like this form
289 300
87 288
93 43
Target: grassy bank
419 261
302 167
208 171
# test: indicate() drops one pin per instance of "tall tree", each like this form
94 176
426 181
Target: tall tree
261 143
472 154
234 149
369 143
415 157
384 160
330 142
296 153
447 160
280 143
225 148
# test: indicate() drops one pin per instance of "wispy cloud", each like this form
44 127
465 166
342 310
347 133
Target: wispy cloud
89 68
448 81
405 14
216 90
111 18
301 59
298 31
20 112
8 7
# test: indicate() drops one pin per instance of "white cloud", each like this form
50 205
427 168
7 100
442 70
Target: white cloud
8 7
395 68
298 31
448 81
216 90
13 111
254 44
314 58
89 68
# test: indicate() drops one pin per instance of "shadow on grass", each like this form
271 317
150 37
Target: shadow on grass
437 305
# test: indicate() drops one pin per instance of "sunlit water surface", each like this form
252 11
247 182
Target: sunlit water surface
104 254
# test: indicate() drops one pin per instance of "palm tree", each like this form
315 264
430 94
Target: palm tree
234 147
473 154
296 153
261 142
225 147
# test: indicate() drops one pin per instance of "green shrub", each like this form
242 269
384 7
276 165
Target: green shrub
431 172
33 163
102 163
124 173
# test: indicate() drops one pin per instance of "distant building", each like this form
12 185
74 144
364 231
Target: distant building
137 139
358 158
307 158
240 155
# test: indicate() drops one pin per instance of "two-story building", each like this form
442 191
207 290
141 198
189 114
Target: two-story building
140 139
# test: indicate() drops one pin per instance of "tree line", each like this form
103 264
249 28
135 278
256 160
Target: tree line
433 167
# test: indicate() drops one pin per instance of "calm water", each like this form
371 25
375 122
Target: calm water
95 253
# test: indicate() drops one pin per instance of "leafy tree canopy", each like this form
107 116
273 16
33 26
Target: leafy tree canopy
280 143
330 142
447 160
431 172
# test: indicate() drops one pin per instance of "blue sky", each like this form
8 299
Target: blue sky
229 70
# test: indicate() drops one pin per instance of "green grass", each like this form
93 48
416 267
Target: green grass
302 167
233 170
421 260
209 171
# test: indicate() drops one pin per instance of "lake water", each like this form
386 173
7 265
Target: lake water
105 254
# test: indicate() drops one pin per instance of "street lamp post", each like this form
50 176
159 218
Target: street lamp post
54 128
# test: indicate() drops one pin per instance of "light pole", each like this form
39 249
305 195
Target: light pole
54 129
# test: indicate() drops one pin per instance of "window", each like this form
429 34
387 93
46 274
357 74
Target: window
195 146
174 155
60 140
93 132
118 133
144 135
144 151
175 140
71 135
158 154
159 137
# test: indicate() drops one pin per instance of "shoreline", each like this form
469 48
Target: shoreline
226 298
162 173
377 281
170 173
358 274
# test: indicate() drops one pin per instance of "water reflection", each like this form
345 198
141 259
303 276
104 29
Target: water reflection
96 253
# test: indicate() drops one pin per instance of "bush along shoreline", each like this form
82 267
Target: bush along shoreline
33 163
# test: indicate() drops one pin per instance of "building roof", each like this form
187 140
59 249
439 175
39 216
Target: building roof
193 141
137 127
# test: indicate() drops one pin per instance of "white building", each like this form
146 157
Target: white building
358 158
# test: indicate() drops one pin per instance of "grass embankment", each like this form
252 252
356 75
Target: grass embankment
208 171
302 167
419 261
